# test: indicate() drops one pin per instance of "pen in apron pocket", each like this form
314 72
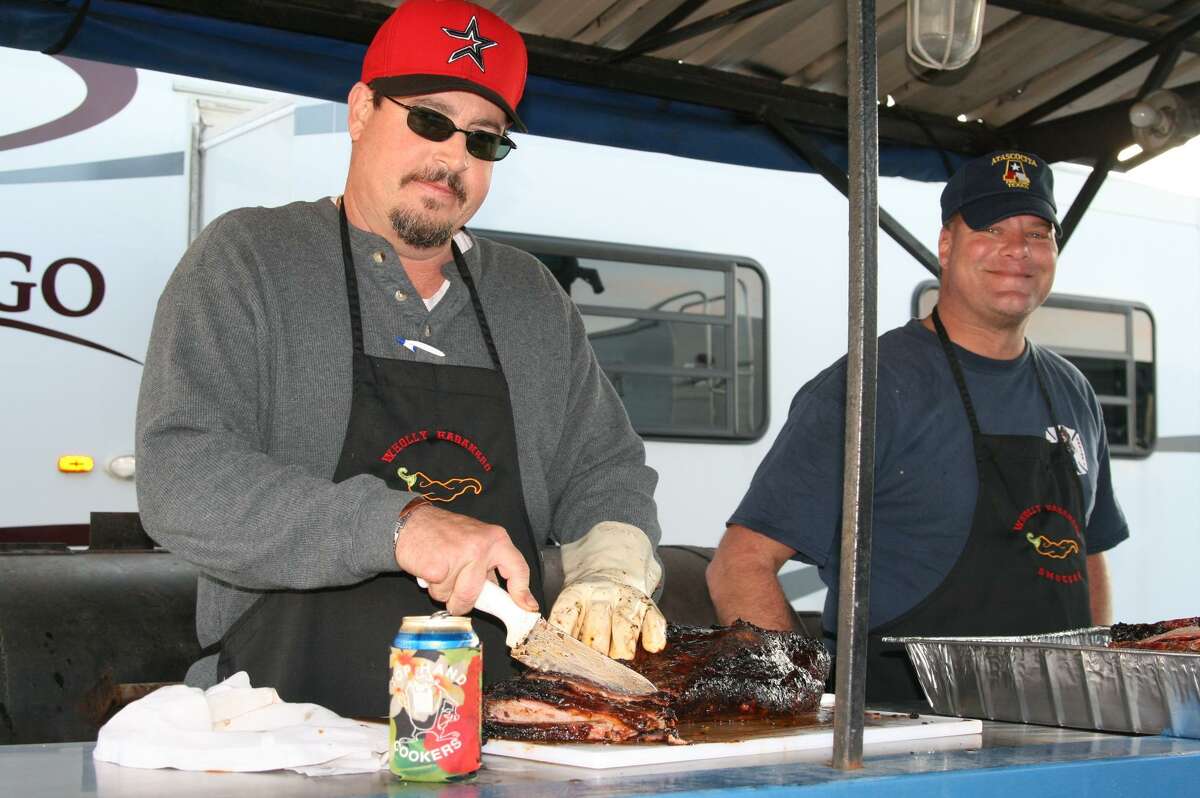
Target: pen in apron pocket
413 346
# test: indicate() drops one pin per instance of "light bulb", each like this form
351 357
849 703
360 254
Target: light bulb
1143 114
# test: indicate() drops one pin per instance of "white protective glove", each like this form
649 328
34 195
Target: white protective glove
608 577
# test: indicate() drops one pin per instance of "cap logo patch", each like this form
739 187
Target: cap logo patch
473 50
1014 175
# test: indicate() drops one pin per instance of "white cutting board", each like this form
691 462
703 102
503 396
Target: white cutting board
881 727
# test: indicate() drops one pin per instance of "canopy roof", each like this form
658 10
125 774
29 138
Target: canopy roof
710 79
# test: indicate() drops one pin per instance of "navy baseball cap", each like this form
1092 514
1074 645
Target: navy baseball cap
999 185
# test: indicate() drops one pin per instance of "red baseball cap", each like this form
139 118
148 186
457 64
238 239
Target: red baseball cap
428 46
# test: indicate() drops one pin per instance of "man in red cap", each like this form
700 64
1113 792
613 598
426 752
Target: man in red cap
343 396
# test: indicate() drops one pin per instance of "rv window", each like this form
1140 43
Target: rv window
1112 343
687 364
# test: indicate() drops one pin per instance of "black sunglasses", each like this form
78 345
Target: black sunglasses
436 126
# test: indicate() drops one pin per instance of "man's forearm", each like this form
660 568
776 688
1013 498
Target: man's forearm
293 532
1099 590
743 581
757 598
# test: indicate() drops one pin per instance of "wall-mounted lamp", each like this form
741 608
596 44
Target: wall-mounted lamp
944 34
1162 119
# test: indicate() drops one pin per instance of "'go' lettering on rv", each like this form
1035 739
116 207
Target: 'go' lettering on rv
21 299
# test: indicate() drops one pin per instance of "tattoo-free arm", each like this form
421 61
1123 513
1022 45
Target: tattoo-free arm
1099 589
743 580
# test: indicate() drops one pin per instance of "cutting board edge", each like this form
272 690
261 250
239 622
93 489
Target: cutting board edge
607 757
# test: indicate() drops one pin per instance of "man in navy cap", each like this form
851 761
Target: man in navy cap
993 498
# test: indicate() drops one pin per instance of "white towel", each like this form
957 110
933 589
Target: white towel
236 727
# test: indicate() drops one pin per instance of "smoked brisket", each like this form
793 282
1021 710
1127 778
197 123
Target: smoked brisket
1180 634
551 707
719 673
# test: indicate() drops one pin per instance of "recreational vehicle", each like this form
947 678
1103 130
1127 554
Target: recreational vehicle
649 246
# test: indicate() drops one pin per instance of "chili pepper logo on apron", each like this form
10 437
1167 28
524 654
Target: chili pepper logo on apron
436 490
439 490
1054 535
1057 549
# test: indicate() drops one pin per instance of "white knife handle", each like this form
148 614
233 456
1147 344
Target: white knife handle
494 600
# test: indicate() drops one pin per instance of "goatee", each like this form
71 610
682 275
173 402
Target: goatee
419 231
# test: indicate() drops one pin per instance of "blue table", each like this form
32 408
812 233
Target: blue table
1007 760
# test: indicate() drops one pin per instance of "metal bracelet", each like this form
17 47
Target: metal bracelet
405 514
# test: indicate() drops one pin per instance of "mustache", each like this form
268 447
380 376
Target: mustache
451 180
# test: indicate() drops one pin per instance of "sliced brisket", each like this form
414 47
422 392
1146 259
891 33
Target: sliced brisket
1133 632
1180 634
718 673
551 707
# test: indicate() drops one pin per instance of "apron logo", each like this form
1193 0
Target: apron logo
466 443
424 436
437 490
1077 450
1058 549
403 443
1052 547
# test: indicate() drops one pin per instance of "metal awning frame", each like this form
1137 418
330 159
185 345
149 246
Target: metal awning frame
758 99
633 69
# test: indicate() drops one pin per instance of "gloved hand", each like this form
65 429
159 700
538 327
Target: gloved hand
608 577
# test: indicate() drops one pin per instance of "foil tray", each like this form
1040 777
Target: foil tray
1060 679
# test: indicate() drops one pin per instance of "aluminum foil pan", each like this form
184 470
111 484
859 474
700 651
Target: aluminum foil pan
1060 679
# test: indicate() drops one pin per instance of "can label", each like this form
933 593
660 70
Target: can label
436 712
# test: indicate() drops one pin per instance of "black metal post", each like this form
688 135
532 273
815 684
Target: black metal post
859 465
1083 199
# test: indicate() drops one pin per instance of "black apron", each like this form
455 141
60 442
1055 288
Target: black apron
445 432
1024 567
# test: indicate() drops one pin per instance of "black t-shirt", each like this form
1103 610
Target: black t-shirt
925 478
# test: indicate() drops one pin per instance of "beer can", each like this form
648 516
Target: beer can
436 689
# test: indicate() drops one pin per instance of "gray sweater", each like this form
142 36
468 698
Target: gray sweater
246 395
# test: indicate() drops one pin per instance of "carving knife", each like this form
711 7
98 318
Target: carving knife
540 646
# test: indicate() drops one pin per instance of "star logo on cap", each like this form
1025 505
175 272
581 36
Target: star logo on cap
477 45
1015 175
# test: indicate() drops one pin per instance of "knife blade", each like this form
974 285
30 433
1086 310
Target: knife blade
543 647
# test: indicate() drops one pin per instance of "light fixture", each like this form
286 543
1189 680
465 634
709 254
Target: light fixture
1162 119
944 34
